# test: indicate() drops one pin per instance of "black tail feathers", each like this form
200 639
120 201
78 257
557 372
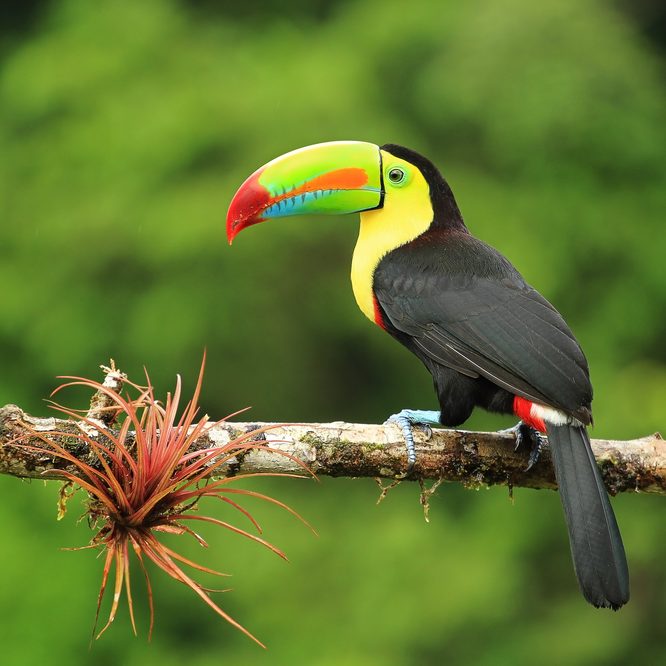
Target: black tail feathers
596 544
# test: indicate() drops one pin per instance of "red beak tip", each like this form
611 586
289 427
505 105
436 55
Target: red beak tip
246 206
232 229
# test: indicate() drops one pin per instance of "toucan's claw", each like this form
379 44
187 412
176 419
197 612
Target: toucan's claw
406 427
526 435
407 419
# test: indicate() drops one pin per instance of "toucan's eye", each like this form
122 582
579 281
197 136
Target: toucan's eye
396 175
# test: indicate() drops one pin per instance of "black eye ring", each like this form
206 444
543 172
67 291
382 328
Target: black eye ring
396 175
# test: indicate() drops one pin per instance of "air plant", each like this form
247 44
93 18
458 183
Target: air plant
146 476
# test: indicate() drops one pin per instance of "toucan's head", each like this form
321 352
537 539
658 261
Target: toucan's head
343 177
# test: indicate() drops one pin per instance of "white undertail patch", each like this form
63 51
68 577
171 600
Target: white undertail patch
550 415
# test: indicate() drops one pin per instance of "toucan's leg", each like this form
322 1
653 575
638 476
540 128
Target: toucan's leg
526 435
408 418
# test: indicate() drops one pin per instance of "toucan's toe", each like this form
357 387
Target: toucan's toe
407 419
526 435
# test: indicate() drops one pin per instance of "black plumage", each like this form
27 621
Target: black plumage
596 546
486 336
459 303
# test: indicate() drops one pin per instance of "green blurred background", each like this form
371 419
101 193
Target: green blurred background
125 128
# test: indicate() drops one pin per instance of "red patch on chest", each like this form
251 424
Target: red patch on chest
379 319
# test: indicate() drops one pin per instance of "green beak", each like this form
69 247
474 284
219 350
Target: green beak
336 178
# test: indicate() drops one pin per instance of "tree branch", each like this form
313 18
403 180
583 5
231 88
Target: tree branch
356 450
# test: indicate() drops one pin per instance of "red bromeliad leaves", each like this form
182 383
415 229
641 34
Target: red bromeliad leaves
145 479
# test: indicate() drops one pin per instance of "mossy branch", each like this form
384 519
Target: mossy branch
359 450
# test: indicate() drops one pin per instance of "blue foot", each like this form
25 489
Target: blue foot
413 417
527 436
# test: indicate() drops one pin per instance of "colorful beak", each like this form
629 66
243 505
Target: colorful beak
335 178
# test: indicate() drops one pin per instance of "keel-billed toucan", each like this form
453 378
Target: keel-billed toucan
486 336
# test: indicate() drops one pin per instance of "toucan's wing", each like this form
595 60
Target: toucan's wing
466 307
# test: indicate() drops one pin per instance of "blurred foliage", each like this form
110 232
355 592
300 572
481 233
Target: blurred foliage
125 128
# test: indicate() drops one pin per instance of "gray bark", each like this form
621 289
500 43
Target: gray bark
359 450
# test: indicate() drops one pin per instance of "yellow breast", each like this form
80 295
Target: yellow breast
405 215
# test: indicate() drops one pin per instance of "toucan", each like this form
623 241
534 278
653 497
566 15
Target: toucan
486 336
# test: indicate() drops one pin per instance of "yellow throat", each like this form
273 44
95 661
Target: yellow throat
406 214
